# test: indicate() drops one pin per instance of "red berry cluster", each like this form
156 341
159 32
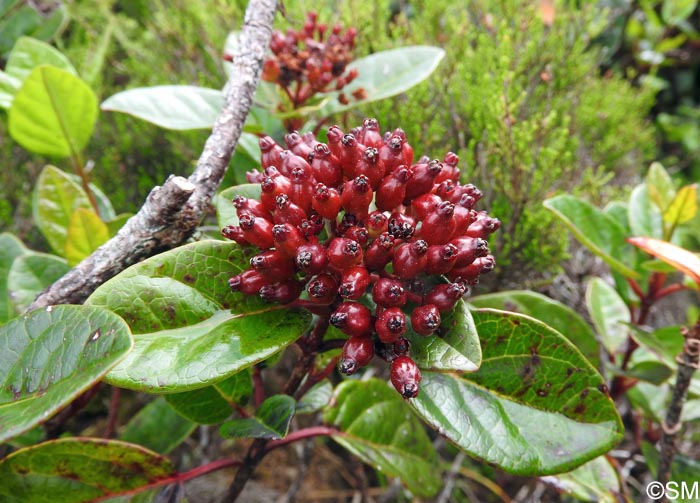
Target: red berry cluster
356 219
311 60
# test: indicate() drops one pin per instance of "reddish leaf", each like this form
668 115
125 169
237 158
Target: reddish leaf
680 258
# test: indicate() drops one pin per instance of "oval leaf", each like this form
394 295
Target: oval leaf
56 197
660 186
683 207
75 470
30 274
10 249
28 53
376 425
599 232
170 107
595 481
271 420
555 314
190 330
385 74
646 219
456 349
535 407
53 113
86 233
157 427
49 357
609 313
680 258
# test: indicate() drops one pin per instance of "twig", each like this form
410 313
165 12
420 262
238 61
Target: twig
688 362
172 212
449 480
113 412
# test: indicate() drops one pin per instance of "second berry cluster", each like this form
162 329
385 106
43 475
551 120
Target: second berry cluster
355 231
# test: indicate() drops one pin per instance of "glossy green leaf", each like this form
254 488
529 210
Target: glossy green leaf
225 210
535 407
75 470
271 420
190 330
249 144
104 205
10 249
9 86
28 53
385 74
599 232
49 357
595 481
653 372
170 107
457 347
213 404
53 113
15 24
316 398
86 233
377 426
609 313
555 314
666 343
644 217
649 399
683 207
660 186
55 199
30 274
157 427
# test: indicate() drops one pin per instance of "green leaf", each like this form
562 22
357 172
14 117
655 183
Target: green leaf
225 211
644 217
53 113
270 421
10 249
683 207
609 313
213 404
190 330
653 372
660 186
676 11
30 274
666 343
535 407
157 427
555 314
55 199
385 74
49 357
28 53
171 107
597 231
595 481
86 233
75 470
377 426
316 398
17 23
457 347
9 86
649 399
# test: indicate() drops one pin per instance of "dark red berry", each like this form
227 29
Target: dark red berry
410 259
370 166
401 347
273 265
405 376
354 282
297 145
287 211
234 233
380 252
257 231
325 166
248 282
357 195
253 207
390 325
468 249
401 226
311 258
370 135
423 178
344 253
301 190
282 292
287 239
425 319
270 152
388 292
322 289
439 225
352 318
326 201
483 226
357 353
392 189
271 188
446 296
441 259
376 223
424 205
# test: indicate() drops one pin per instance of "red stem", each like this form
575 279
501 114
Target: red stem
663 292
113 412
313 431
177 478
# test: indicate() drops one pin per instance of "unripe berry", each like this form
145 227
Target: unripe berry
446 296
405 376
257 231
322 289
388 292
311 258
273 265
357 353
410 259
344 253
392 189
352 318
282 292
354 282
326 201
425 319
376 223
390 325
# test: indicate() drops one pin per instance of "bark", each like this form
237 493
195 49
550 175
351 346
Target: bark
172 212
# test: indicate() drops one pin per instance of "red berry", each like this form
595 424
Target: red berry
344 253
390 325
483 226
322 289
359 234
287 239
423 178
441 258
253 207
257 231
325 166
354 282
234 233
424 205
357 353
311 258
449 169
301 190
388 292
401 226
380 252
273 265
248 282
425 319
401 347
370 135
405 376
410 259
356 196
376 223
270 152
296 144
391 153
392 189
468 249
326 201
438 226
287 211
370 166
446 296
271 187
352 318
282 292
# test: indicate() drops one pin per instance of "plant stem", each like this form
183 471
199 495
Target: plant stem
313 431
688 362
80 171
113 412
